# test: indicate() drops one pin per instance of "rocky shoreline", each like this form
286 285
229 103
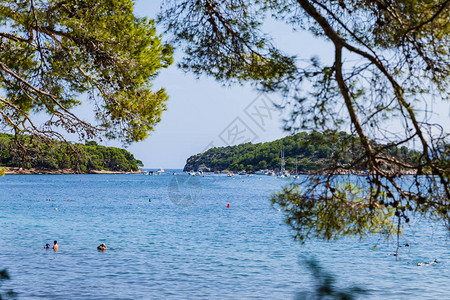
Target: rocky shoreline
33 171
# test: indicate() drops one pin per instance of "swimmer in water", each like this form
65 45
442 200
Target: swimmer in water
102 247
47 246
55 246
426 264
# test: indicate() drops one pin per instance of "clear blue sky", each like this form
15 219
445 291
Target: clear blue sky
202 112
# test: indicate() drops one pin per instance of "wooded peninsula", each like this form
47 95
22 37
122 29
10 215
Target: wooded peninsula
313 152
34 156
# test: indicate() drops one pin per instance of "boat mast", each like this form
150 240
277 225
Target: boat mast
282 160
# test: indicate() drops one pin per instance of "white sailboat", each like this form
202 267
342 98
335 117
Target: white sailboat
283 172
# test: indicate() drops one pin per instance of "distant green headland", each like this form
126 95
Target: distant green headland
63 157
313 152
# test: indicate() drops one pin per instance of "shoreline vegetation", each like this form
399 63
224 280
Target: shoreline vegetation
28 155
308 153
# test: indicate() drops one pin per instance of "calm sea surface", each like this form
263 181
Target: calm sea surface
173 237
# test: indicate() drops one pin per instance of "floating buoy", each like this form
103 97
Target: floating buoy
242 180
228 205
149 199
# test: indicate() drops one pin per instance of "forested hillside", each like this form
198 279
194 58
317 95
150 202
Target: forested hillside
313 151
58 155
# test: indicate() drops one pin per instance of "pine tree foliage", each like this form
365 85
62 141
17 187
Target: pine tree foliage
55 52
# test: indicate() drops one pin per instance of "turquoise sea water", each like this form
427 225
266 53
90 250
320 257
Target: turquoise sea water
186 244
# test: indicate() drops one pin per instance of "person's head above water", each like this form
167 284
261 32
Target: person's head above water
55 245
102 246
